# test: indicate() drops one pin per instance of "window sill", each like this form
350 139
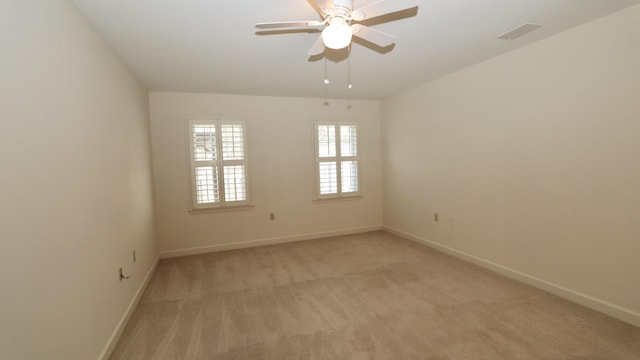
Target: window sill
221 209
334 199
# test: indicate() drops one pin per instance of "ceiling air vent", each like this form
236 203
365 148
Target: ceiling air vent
519 31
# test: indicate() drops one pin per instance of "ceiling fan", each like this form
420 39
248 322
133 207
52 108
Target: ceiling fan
338 17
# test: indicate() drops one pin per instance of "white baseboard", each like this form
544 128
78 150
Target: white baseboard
263 242
610 309
117 332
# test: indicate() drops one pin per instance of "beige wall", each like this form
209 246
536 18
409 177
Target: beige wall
280 146
532 160
75 184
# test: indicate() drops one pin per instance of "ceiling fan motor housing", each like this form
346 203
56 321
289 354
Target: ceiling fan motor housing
342 8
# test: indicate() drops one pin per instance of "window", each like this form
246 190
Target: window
218 157
337 160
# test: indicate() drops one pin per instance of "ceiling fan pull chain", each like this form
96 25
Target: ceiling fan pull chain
326 83
326 77
349 85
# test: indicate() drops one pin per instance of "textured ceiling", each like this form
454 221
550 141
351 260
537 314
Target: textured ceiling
213 46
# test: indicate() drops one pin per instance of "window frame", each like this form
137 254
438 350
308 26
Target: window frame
219 163
338 158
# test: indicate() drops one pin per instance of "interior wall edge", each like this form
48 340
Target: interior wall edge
124 320
605 307
265 242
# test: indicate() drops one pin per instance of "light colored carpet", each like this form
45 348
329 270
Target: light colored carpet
366 296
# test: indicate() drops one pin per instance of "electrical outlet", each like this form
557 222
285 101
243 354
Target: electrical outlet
272 216
122 275
436 217
134 256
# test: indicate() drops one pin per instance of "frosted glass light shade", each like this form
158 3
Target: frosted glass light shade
336 35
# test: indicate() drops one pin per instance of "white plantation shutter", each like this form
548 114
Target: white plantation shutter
337 160
349 158
348 140
328 173
233 158
205 163
218 161
349 179
232 141
234 183
326 140
206 185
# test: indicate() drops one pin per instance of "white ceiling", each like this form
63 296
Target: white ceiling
213 46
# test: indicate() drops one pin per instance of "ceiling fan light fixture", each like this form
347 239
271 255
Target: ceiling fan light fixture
337 34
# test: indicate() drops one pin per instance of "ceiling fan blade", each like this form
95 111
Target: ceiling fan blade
317 48
371 35
382 7
283 24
